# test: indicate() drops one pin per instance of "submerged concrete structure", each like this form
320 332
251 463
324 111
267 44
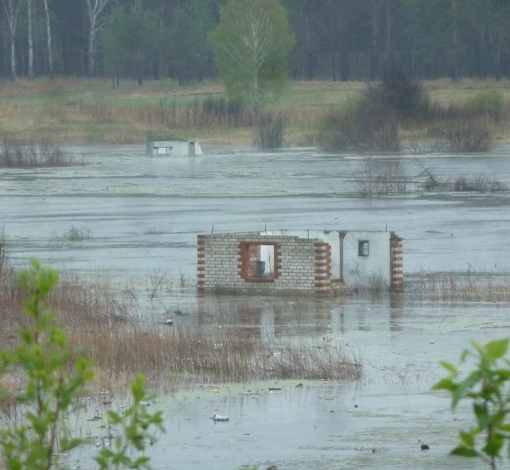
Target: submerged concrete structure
321 262
172 147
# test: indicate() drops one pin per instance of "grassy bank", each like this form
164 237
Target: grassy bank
80 111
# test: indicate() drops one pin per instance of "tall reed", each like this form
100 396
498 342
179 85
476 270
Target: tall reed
100 322
460 286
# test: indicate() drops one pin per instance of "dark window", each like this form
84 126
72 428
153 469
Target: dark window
363 248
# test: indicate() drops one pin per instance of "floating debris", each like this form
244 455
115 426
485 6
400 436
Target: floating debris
217 417
423 445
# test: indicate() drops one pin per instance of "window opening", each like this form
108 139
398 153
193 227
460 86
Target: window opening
363 248
258 261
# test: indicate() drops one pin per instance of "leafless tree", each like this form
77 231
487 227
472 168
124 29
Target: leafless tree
94 8
48 38
11 10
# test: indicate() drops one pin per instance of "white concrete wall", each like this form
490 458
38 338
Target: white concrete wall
173 148
267 255
359 270
195 150
332 237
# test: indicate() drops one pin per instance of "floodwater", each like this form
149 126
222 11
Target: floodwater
139 218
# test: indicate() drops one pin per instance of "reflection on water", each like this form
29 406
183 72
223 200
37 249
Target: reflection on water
271 317
396 312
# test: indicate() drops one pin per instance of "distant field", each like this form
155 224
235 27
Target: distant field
80 111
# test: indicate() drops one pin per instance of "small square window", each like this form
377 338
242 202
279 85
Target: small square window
363 248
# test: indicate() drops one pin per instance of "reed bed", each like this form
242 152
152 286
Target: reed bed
460 286
174 358
101 323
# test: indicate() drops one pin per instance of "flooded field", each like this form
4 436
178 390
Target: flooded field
135 220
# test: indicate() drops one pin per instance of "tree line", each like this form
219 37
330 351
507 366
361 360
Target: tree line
334 39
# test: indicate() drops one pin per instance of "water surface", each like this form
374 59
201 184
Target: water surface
140 217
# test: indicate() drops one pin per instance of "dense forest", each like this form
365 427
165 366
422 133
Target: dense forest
335 39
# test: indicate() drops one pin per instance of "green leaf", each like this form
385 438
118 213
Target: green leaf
496 349
502 374
464 386
450 367
467 438
483 417
137 388
494 446
444 384
463 451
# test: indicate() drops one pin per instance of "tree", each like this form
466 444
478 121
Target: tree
11 10
48 37
190 55
129 41
94 10
251 45
30 41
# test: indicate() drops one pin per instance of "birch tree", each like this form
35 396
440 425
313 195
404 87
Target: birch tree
30 41
48 37
94 10
251 45
11 12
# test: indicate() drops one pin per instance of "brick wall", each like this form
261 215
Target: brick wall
322 268
396 263
226 263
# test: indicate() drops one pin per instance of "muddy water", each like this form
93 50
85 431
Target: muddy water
140 218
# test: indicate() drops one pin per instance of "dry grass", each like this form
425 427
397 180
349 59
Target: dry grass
36 154
447 92
91 111
460 286
100 323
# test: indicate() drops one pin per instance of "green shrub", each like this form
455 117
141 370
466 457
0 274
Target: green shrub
488 388
371 120
270 130
463 133
404 94
55 376
489 102
364 124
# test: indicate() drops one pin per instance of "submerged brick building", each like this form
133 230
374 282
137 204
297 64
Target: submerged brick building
294 261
